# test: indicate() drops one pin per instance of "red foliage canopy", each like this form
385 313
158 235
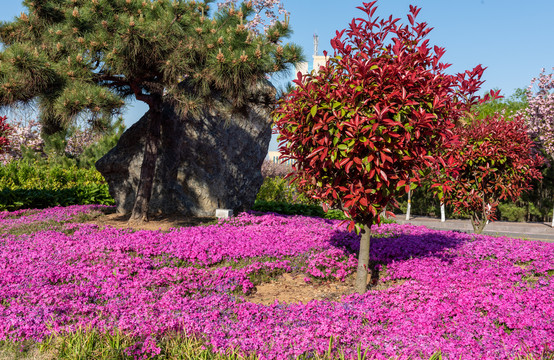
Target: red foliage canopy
360 130
4 130
494 161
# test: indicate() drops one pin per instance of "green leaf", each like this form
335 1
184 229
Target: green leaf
313 110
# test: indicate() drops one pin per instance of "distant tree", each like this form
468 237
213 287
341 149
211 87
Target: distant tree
371 121
24 137
4 131
271 10
88 55
507 106
539 114
494 161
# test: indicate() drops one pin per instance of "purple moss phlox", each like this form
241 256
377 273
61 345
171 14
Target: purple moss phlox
471 296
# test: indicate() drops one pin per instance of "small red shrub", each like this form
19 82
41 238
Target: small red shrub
4 131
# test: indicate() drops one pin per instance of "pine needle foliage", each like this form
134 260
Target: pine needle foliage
89 55
78 56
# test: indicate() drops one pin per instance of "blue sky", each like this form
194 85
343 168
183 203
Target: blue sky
512 38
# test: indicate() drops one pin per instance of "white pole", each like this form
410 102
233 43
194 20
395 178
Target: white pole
443 215
553 217
409 208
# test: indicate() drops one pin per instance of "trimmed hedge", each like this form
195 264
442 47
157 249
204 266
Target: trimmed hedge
29 175
44 198
34 184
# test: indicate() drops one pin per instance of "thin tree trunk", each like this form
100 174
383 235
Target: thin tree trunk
478 222
409 208
148 168
363 260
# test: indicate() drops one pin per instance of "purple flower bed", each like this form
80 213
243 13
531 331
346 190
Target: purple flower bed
469 296
9 220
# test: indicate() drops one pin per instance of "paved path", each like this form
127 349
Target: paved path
521 230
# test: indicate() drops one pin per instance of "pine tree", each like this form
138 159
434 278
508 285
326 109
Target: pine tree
76 56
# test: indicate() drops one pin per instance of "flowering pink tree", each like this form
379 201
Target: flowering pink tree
23 134
540 112
272 10
273 169
26 134
80 140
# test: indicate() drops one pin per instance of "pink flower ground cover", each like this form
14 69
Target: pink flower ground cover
9 220
470 296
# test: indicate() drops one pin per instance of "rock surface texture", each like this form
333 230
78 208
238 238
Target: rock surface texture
208 161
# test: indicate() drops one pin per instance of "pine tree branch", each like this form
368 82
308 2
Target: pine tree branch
137 90
114 80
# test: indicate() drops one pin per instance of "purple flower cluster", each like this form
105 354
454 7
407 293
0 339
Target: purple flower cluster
331 264
470 296
10 220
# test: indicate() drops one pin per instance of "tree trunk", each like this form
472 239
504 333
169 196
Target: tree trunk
479 220
363 260
148 168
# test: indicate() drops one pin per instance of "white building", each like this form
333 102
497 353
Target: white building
304 68
317 60
273 156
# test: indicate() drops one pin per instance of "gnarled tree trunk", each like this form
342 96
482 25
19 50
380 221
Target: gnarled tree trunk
148 168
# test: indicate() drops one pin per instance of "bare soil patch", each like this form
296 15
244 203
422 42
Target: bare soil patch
156 222
291 288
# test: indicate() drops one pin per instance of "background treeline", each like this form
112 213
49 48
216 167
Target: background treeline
42 171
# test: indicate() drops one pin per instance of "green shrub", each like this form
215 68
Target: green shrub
511 212
15 199
303 210
52 175
22 174
277 189
286 208
36 184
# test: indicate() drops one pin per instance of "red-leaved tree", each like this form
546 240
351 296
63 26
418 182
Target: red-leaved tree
495 161
4 130
363 127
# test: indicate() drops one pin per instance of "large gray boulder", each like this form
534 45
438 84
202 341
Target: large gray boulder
205 162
